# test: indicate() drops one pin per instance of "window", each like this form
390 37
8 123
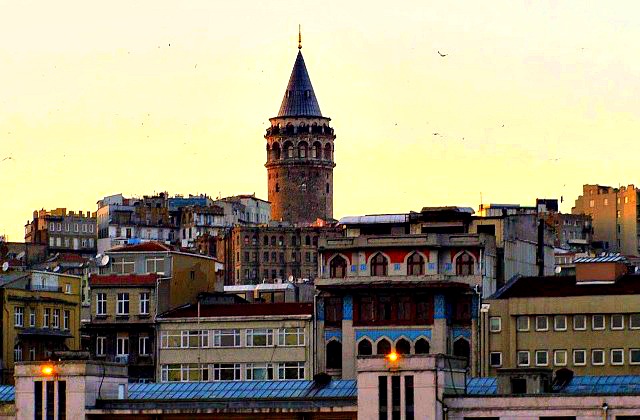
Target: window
17 353
464 264
32 354
495 359
122 345
617 356
403 346
291 337
18 316
560 357
597 322
46 317
62 400
634 356
56 318
422 346
67 289
597 357
32 317
542 358
338 267
522 323
382 398
579 322
379 265
226 338
123 304
495 324
592 203
155 264
395 397
383 347
143 346
226 371
144 303
560 323
415 265
542 323
100 342
334 355
579 357
291 370
606 201
101 304
259 371
123 265
364 347
195 339
408 398
52 227
617 322
171 373
634 321
262 337
194 372
523 358
171 339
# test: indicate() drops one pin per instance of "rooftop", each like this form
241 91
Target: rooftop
247 309
299 98
143 247
579 385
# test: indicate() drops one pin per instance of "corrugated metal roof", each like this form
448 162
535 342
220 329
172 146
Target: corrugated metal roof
579 385
299 98
376 218
243 390
608 258
7 393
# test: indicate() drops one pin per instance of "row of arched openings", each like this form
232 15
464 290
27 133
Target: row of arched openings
288 151
302 128
379 266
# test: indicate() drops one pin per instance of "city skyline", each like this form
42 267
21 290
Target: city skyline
513 101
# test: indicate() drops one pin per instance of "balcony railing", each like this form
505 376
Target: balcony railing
44 288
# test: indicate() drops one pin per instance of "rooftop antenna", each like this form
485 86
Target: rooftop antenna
299 36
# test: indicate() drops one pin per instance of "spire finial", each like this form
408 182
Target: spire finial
299 37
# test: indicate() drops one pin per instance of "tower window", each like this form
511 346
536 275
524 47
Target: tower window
277 187
327 188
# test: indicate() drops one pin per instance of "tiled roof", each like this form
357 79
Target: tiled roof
246 309
142 247
243 390
299 99
579 385
562 286
123 279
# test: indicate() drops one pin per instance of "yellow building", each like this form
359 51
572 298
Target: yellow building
588 323
40 315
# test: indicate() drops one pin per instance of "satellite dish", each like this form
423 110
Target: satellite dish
104 260
5 266
558 270
21 255
290 279
55 270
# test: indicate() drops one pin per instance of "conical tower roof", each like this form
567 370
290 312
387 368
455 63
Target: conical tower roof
299 99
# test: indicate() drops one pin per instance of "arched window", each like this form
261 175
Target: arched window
461 348
338 267
280 240
464 264
314 240
383 347
422 346
379 265
365 348
277 187
288 150
275 151
246 239
334 355
266 240
327 151
415 265
269 153
403 346
254 240
302 150
307 240
273 241
289 128
316 150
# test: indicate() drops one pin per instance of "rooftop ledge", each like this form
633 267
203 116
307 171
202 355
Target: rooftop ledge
435 280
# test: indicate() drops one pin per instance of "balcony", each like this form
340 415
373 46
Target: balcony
429 280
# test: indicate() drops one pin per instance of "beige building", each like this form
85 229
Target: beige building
615 217
231 342
589 323
40 315
63 231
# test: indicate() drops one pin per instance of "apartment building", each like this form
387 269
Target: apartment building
614 212
40 316
588 323
233 342
63 231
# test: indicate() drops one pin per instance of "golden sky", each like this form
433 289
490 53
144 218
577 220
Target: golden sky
534 99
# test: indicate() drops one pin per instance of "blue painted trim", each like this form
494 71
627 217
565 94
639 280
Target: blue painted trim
439 307
347 308
329 334
475 303
363 267
410 333
461 332
320 310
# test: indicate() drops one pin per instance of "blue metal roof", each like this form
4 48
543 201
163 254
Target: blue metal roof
7 393
230 390
579 385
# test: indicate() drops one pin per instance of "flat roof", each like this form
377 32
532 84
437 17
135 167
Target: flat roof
564 286
579 385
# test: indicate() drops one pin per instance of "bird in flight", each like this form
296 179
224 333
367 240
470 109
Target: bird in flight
442 55
436 134
7 158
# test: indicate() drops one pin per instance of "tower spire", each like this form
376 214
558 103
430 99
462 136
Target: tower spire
299 36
